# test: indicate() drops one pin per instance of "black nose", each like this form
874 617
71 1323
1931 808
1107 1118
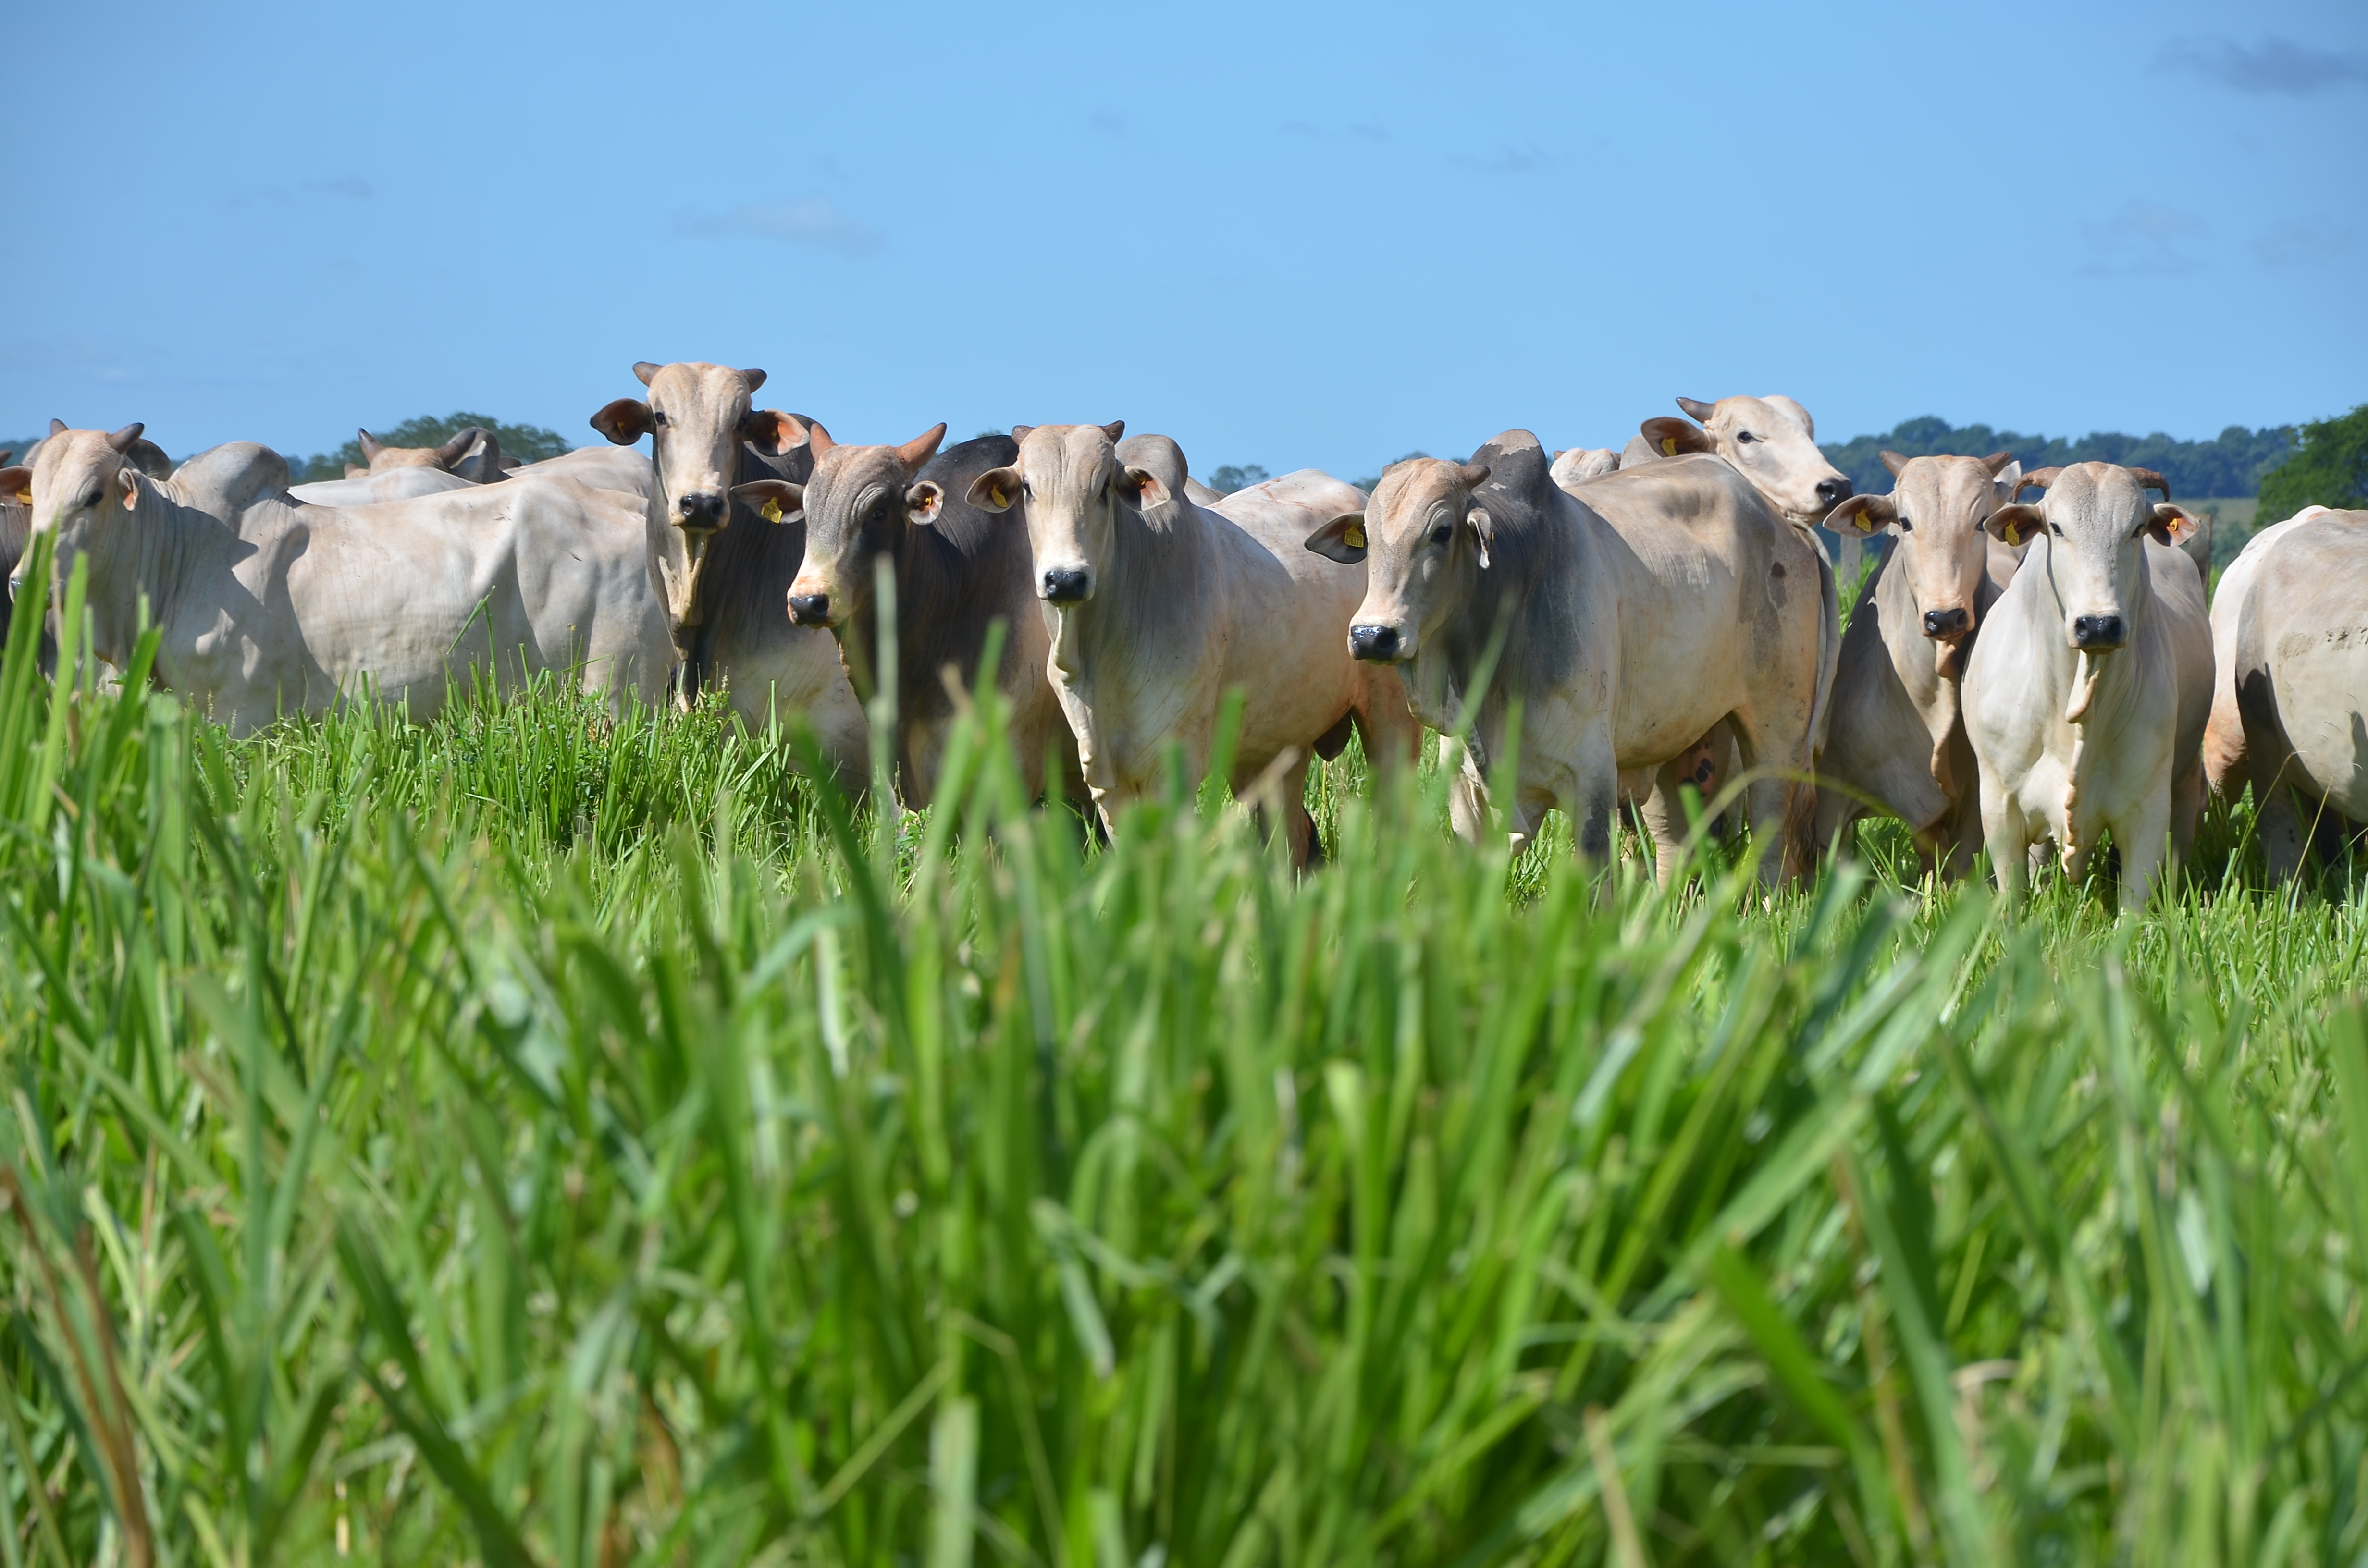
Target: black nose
1065 585
1833 492
1945 622
702 511
1374 641
810 609
2097 632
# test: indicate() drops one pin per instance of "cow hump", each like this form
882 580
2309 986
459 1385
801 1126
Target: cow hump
1518 469
226 480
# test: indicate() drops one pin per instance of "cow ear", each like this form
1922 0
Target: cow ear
925 502
1341 539
920 448
1483 529
1893 460
2173 525
2006 478
1019 432
2015 524
1140 487
772 432
996 490
128 478
16 484
1672 437
625 421
1867 514
776 500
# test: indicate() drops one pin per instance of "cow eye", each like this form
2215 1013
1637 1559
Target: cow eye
1441 534
2055 529
1744 436
658 419
1905 526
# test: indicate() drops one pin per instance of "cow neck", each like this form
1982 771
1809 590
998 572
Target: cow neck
1514 588
151 552
1151 593
668 555
1916 657
946 593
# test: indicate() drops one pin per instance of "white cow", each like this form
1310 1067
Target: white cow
2089 688
723 569
2225 772
603 467
1895 744
1669 601
270 607
2295 624
1159 606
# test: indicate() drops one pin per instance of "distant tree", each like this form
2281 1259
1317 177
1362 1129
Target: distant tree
529 443
2328 468
2230 464
1237 477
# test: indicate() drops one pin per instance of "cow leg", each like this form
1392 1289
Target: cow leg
1467 795
2275 822
2140 840
1594 796
2186 809
1663 813
2009 838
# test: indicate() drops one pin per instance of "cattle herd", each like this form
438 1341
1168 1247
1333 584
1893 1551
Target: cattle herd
2020 676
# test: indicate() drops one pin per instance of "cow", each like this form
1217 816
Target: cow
16 516
1673 597
603 467
1894 742
268 606
1580 464
2298 675
722 568
474 454
956 569
2224 770
1157 605
2086 692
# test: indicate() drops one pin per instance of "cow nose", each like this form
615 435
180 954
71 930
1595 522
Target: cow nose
1374 641
1945 624
810 609
702 510
1833 492
1065 585
2098 632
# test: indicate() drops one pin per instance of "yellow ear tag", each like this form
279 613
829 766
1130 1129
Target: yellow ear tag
1353 537
1668 446
772 512
24 499
1000 499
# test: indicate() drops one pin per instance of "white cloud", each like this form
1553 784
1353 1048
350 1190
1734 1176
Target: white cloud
817 221
2276 64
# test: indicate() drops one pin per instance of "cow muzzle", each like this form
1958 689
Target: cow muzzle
701 509
1065 585
1384 643
808 608
1948 625
2098 634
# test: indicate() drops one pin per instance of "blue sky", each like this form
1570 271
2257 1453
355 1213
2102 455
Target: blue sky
1291 235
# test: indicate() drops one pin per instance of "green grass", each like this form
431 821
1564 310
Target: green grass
539 1137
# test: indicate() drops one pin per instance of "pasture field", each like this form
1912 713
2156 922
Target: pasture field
542 1138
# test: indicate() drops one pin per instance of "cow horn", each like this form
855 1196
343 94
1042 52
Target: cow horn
2038 479
458 447
818 439
1115 430
371 445
755 379
1700 410
2150 480
645 373
1472 476
121 440
6 455
920 448
57 426
1995 462
1893 460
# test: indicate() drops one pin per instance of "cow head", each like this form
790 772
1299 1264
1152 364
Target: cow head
2093 517
1074 487
858 503
81 487
696 416
1937 509
383 458
1771 440
1421 540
